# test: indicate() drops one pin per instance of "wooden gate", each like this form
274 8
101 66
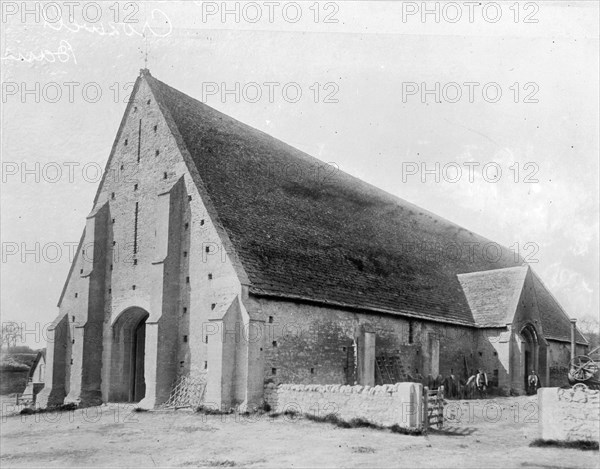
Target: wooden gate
433 403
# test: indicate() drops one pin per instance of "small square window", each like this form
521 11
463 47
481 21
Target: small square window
80 271
122 167
135 187
187 225
157 152
273 371
148 102
135 109
155 128
270 319
184 253
344 349
113 220
209 276
185 338
274 343
133 287
213 306
111 267
76 295
495 354
72 341
110 290
201 222
135 262
189 198
312 371
114 243
481 354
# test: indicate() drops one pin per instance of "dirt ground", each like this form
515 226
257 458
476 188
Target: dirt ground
478 433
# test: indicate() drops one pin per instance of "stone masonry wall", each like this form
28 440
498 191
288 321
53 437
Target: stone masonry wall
569 414
392 404
311 344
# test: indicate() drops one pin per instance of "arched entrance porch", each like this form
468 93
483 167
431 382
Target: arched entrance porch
127 383
531 351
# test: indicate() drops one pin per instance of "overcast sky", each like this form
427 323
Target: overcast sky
366 73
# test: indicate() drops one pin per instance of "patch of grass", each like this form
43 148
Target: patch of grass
58 408
363 449
406 431
354 423
583 445
265 407
212 411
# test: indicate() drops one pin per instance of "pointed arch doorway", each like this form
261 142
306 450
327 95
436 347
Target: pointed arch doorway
531 347
128 356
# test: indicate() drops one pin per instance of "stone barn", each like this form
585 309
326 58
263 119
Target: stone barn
215 250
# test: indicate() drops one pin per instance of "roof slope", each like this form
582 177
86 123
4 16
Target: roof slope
334 240
555 322
494 295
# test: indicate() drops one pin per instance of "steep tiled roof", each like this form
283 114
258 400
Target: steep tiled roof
493 295
329 239
555 322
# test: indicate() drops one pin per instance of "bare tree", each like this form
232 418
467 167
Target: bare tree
11 332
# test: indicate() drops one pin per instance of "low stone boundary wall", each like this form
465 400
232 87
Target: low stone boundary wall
392 404
569 414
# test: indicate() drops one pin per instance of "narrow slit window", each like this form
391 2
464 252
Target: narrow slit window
184 310
184 253
205 365
187 225
213 306
185 338
76 295
274 343
133 287
139 149
125 142
165 175
155 128
187 280
135 228
157 152
112 196
210 277
273 371
270 319
201 222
